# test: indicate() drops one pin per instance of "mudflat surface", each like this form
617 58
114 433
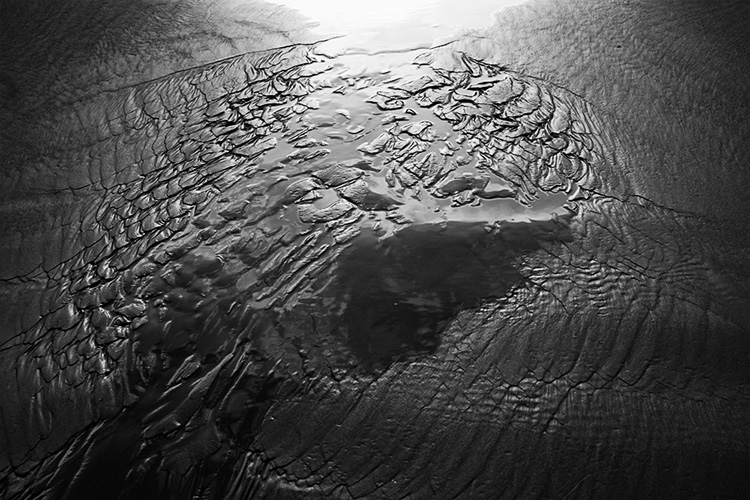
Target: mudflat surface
424 251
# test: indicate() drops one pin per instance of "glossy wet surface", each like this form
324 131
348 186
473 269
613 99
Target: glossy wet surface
371 203
426 259
392 25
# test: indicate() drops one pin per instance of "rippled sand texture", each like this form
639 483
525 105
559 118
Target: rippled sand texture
458 272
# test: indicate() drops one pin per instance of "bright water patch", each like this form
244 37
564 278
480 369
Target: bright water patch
356 204
371 27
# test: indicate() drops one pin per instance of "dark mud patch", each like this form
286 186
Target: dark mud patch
400 292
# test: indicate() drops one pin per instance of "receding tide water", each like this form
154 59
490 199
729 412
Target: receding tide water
376 210
428 247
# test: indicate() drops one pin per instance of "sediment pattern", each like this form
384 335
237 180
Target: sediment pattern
207 263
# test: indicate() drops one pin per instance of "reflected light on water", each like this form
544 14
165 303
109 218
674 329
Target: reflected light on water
362 12
376 25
